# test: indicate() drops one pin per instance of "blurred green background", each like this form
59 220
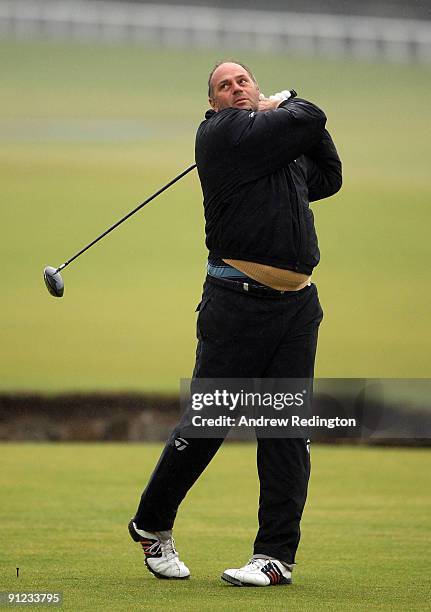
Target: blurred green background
87 132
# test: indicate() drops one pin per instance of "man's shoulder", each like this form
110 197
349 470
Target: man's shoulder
224 121
227 114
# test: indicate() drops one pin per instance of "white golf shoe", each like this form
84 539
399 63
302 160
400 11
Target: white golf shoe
161 558
259 572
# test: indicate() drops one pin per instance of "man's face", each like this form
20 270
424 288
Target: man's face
233 87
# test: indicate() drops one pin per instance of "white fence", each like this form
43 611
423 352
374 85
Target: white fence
176 26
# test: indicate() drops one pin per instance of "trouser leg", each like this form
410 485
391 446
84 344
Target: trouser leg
180 465
284 470
284 463
219 355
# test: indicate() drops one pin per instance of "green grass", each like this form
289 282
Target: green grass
73 160
365 544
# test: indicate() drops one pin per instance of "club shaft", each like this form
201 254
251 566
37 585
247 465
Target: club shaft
110 229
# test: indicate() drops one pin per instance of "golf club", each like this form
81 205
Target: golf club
53 279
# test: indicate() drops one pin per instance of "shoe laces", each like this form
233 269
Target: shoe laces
168 549
154 548
257 563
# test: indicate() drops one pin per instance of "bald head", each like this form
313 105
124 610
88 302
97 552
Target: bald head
232 85
218 64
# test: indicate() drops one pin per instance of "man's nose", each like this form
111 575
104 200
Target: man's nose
237 88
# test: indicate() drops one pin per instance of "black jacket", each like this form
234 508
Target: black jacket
259 171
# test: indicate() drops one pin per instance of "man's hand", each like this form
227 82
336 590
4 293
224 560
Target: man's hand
266 104
275 100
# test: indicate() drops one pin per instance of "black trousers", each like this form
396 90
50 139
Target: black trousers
244 335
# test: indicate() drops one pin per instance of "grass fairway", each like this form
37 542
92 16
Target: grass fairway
87 132
366 529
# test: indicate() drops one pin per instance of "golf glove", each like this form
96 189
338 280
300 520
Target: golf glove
281 95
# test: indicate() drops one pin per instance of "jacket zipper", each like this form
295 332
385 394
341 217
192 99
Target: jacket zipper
299 218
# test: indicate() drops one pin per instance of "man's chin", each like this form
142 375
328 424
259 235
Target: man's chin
244 104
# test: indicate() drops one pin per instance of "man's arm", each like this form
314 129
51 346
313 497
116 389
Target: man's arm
322 168
269 140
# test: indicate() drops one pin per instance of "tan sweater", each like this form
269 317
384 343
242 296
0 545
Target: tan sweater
283 280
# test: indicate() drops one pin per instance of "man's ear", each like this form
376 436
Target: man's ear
213 104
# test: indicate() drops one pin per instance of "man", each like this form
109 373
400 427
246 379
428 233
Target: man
260 161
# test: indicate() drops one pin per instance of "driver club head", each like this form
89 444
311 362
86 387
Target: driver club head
53 281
